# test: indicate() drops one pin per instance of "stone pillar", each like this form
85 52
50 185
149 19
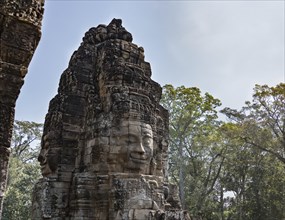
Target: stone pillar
20 24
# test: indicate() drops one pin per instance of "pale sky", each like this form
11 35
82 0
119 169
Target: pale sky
222 47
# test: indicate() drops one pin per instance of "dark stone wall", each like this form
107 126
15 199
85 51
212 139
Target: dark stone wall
20 32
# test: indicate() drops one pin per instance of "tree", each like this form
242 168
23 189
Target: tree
210 159
25 139
195 155
24 170
257 135
256 179
262 121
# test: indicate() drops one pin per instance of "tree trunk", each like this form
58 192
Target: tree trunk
222 203
182 186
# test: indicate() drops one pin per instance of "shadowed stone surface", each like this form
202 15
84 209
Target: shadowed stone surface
20 32
105 140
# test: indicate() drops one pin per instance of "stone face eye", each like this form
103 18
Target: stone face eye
147 141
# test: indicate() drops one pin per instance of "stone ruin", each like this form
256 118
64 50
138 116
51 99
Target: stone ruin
104 147
20 32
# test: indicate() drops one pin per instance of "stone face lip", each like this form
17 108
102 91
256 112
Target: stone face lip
104 146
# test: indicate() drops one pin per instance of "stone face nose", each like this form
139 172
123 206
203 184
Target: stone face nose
139 148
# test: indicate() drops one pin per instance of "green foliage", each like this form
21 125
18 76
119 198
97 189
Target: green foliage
22 178
244 157
24 170
25 140
257 181
262 122
195 150
256 134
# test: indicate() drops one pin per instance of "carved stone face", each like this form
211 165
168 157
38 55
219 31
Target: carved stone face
133 142
48 156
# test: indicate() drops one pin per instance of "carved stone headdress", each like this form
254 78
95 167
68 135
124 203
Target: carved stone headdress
123 86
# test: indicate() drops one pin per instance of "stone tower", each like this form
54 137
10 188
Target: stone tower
105 140
20 33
